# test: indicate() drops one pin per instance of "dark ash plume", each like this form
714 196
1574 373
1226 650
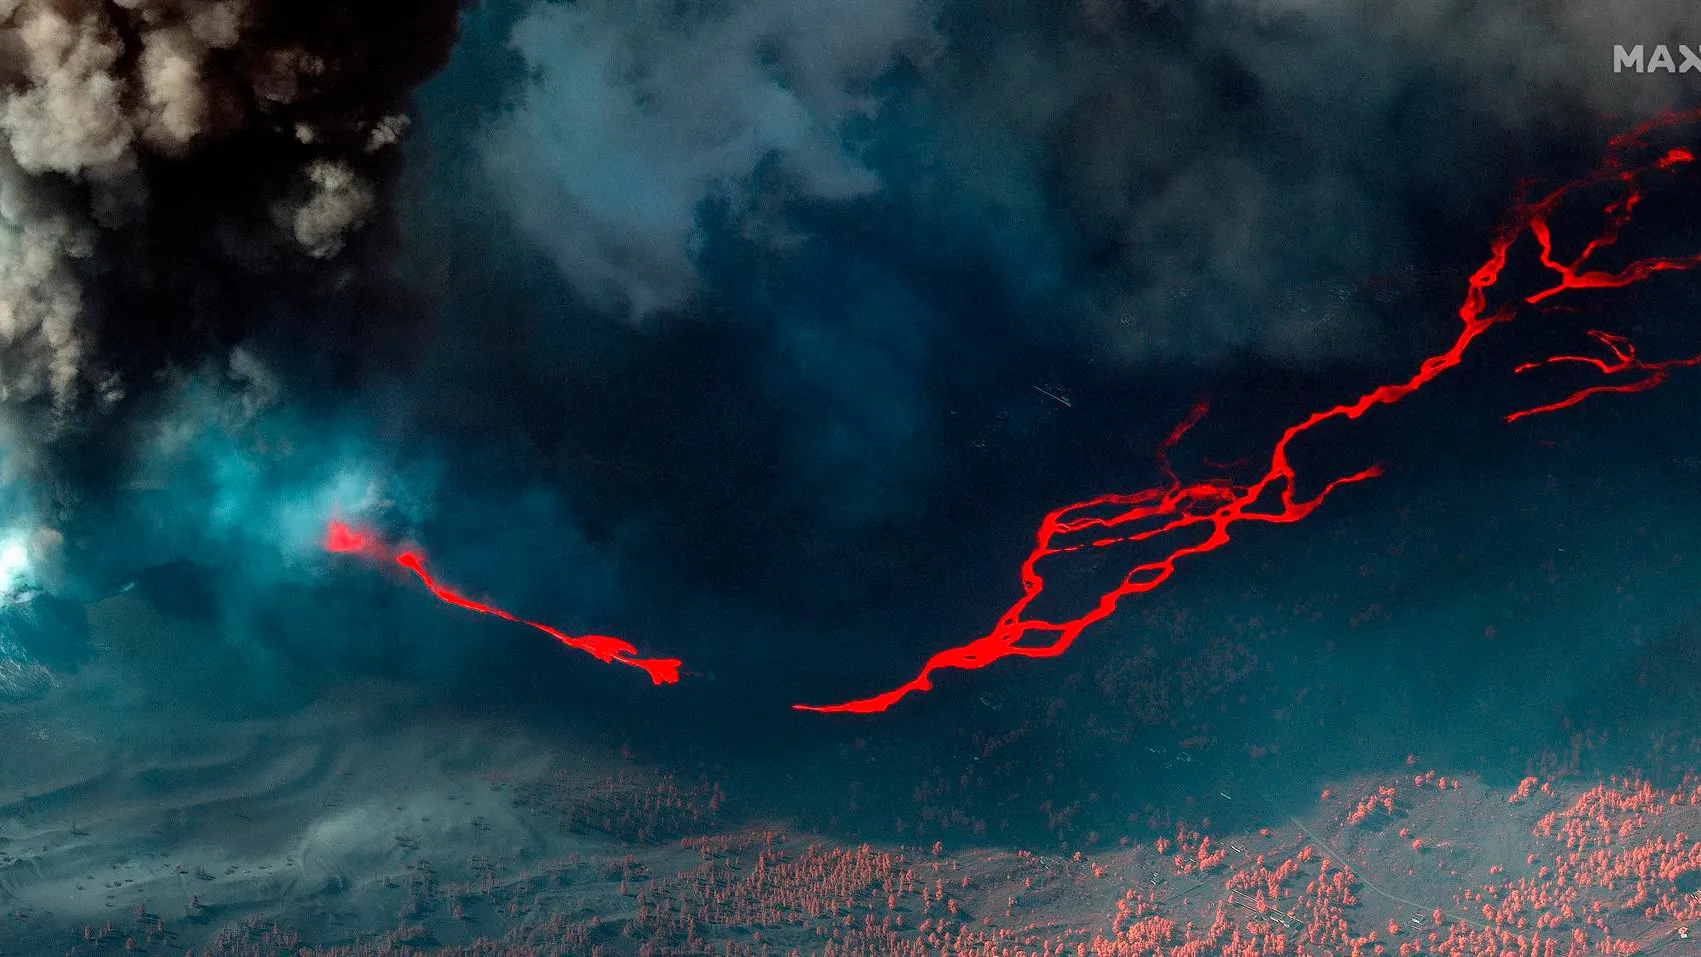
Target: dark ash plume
181 182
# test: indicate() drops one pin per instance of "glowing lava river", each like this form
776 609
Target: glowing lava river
341 538
1212 506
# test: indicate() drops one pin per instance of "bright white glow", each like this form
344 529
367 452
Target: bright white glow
14 561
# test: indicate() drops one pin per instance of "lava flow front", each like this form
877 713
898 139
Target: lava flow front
1213 506
342 538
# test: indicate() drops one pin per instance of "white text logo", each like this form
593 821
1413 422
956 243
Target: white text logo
1640 60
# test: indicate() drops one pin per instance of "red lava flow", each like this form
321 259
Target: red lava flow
1215 505
342 538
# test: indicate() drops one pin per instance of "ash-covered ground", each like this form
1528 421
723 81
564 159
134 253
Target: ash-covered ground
1390 727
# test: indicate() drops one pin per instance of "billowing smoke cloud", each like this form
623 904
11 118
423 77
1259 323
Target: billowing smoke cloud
639 113
1225 172
1180 180
179 178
